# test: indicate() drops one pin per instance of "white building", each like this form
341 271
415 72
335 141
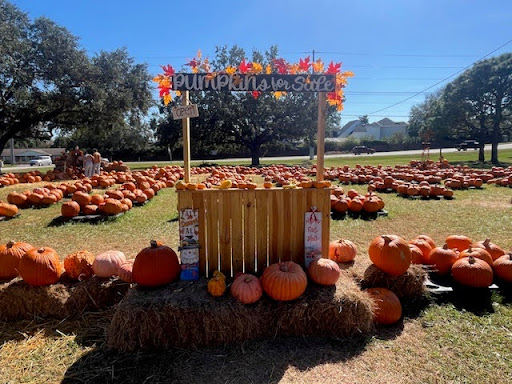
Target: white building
380 130
24 155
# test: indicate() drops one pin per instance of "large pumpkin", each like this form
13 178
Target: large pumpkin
70 209
478 253
324 271
460 242
78 265
10 256
494 250
342 251
503 267
40 267
156 265
246 288
284 281
388 309
106 264
442 258
9 210
472 272
391 254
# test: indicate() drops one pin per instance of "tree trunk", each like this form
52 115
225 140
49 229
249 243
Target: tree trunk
481 152
255 155
496 131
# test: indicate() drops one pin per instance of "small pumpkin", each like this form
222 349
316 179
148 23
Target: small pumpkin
156 265
246 288
284 281
425 248
78 265
40 267
494 250
503 267
442 258
217 284
106 264
10 256
391 254
478 253
324 271
416 254
472 272
460 242
125 271
342 251
388 309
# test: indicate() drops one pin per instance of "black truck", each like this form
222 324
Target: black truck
468 144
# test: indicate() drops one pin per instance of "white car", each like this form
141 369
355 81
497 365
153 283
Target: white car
41 160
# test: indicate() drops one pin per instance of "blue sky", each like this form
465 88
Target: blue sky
396 48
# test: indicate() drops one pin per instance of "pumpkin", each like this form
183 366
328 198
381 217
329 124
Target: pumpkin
40 267
97 199
460 242
494 250
425 248
81 198
324 271
70 209
112 207
106 264
503 267
284 281
342 251
10 256
217 284
479 253
9 210
472 272
246 288
125 271
428 239
90 209
78 265
391 254
442 258
388 309
156 265
416 254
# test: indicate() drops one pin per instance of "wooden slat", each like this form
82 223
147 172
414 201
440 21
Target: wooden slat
262 229
249 230
297 227
273 226
212 231
198 203
285 206
235 200
184 200
326 221
225 231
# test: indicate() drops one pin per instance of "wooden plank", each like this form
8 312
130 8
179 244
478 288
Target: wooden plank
262 229
285 206
184 200
326 221
237 230
273 220
186 139
297 226
212 231
249 230
320 136
198 202
225 231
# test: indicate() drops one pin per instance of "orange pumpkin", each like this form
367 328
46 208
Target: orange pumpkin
503 267
81 198
156 265
478 253
494 250
10 256
388 309
460 242
425 248
217 284
70 209
416 254
342 251
284 281
8 210
246 288
442 258
40 267
78 265
125 271
324 271
472 272
391 254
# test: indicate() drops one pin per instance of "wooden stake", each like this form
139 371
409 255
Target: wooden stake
186 139
320 137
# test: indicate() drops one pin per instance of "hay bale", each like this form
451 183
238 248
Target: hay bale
184 315
409 286
19 300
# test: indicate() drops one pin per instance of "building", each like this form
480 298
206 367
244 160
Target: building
24 155
380 130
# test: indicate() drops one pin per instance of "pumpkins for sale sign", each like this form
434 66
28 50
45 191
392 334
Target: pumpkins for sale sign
189 245
312 236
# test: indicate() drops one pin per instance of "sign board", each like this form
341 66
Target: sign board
312 236
189 244
184 111
262 83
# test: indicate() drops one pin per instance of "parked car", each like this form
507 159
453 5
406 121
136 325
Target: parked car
41 160
468 144
362 149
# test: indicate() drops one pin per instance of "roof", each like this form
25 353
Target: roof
41 151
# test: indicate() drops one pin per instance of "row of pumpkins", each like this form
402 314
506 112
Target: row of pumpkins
353 201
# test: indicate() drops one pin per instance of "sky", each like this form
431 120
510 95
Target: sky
396 48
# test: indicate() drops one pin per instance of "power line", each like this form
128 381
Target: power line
439 82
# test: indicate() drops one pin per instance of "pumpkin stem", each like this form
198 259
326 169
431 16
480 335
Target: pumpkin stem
40 250
386 238
10 244
486 243
283 267
153 244
471 260
445 246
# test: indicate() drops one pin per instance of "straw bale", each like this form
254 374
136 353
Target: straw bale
409 286
184 315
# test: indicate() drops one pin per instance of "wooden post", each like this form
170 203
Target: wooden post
320 137
186 139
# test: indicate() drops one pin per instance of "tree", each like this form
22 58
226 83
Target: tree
427 119
47 82
364 119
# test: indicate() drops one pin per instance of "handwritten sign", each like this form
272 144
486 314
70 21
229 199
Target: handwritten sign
184 111
261 83
189 244
312 236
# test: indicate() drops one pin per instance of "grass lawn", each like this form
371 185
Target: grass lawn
452 339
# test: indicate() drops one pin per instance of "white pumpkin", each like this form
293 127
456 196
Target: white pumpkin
107 263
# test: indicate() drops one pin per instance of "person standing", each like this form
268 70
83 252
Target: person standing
88 165
96 160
